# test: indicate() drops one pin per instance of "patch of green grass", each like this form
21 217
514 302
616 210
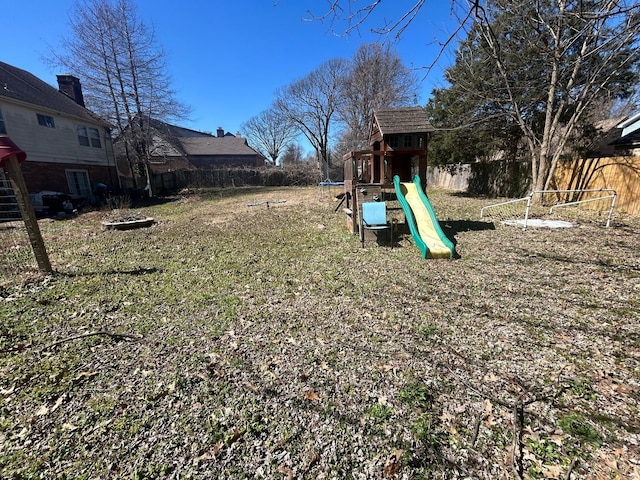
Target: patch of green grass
425 429
417 395
428 331
582 388
580 428
380 413
546 451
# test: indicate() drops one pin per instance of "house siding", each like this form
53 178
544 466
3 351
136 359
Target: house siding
55 145
52 151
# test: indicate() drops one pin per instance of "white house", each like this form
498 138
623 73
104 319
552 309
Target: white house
68 148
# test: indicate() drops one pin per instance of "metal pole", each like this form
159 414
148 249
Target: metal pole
526 213
613 204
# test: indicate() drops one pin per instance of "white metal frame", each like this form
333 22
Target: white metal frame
611 194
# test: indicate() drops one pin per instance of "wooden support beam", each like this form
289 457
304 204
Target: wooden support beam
12 166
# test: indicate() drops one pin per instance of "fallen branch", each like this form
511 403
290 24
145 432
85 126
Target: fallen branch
120 336
517 446
476 429
571 467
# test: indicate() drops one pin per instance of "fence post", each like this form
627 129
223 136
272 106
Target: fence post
10 158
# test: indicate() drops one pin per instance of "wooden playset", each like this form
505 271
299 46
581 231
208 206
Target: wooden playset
398 146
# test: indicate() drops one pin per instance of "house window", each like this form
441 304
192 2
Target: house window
45 121
94 135
3 130
88 136
83 136
420 141
408 141
394 141
78 181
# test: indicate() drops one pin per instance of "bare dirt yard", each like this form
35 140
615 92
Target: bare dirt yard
238 341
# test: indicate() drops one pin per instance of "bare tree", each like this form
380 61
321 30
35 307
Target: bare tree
312 103
123 72
348 16
269 132
293 154
377 78
552 62
539 65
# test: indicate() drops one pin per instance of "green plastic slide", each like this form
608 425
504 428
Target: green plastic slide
422 221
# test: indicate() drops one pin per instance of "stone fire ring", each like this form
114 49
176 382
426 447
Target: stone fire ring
128 224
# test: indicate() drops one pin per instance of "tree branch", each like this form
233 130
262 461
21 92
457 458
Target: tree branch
119 336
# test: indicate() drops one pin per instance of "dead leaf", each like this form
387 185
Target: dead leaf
446 417
393 464
210 454
285 471
8 391
235 437
551 471
251 387
84 376
58 402
311 395
619 388
43 410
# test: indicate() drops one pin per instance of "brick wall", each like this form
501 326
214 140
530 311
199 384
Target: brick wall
51 176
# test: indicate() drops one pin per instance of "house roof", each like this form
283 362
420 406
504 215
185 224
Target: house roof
630 124
172 140
216 146
632 139
402 120
629 132
19 85
174 130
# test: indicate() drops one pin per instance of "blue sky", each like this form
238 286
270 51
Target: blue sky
227 58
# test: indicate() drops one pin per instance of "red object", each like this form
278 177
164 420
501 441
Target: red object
8 148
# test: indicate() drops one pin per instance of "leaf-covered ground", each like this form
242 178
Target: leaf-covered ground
236 341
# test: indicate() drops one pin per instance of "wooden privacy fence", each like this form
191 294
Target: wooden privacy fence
511 179
621 174
494 179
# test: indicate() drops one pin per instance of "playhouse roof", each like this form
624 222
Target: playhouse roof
402 120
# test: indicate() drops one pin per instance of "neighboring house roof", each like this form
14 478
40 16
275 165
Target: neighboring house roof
172 140
630 124
606 131
402 120
630 140
630 136
21 86
216 146
173 147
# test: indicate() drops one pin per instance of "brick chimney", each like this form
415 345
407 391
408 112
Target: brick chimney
220 132
70 86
